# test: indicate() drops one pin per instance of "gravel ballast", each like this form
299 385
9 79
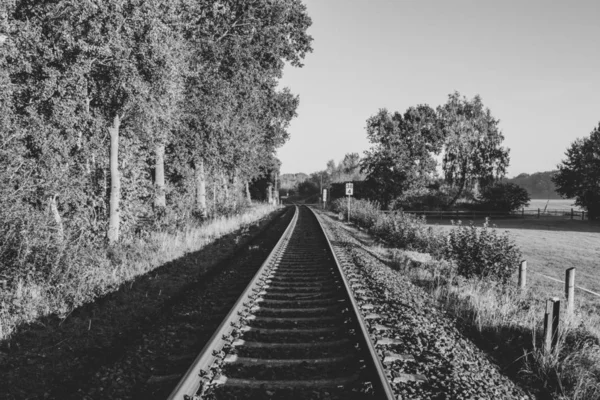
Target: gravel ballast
424 355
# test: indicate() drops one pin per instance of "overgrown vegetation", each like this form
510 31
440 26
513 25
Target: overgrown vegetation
82 274
475 252
482 252
457 273
119 118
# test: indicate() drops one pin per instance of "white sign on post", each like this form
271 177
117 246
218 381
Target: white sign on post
324 195
349 189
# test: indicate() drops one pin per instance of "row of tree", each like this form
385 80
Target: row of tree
539 185
114 109
402 163
348 169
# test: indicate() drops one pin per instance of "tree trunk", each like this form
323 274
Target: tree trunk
214 197
159 177
270 193
248 191
235 188
225 188
276 190
115 183
57 218
201 189
459 193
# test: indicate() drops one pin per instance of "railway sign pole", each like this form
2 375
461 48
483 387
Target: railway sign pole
324 197
349 192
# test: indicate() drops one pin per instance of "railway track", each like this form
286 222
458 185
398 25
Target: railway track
295 332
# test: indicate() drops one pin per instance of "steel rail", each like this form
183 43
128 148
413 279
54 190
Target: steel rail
381 384
192 381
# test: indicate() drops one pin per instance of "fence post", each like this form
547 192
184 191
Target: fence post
571 213
538 213
523 275
348 208
570 290
551 324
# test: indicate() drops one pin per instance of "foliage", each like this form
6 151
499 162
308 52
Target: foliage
397 228
193 79
578 175
503 197
401 157
482 252
477 252
472 150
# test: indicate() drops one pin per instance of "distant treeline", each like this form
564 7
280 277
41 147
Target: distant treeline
347 170
539 184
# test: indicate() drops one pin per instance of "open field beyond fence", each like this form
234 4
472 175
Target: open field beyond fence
562 204
550 247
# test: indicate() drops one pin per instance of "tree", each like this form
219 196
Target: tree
579 175
472 150
401 157
503 197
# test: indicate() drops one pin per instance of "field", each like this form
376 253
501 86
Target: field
563 204
551 246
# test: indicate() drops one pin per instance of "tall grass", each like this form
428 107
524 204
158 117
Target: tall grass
86 273
503 315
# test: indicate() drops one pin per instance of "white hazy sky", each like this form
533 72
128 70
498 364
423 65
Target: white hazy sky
536 65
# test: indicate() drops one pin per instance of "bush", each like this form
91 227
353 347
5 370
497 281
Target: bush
482 252
503 197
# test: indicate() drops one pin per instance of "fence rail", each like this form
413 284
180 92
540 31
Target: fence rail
539 213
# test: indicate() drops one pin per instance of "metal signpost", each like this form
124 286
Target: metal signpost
324 197
349 192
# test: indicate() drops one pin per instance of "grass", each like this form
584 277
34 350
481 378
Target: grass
508 323
550 246
94 272
556 204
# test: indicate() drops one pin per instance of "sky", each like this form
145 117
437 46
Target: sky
535 64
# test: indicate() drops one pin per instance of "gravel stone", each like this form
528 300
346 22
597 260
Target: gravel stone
422 350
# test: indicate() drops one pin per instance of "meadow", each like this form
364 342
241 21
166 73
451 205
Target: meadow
562 204
550 246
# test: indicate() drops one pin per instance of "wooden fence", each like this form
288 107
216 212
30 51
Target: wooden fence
552 312
539 213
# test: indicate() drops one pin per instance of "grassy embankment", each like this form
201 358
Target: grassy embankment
550 246
99 272
509 323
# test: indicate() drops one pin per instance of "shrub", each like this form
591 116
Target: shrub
398 228
503 197
482 252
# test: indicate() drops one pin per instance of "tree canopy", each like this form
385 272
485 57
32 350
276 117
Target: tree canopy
403 159
117 110
472 151
578 175
402 154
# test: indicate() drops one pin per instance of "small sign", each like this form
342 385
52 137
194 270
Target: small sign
349 189
324 195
